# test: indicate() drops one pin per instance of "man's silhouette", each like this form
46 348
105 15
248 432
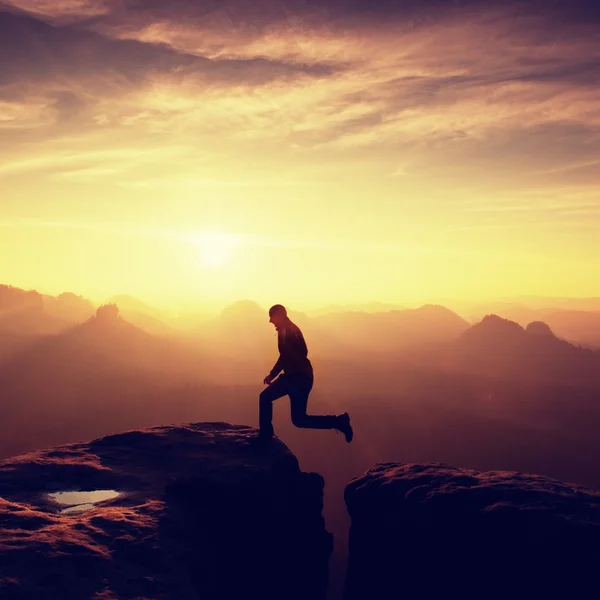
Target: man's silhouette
295 382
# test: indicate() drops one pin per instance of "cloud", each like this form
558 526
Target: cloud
452 84
401 81
30 114
79 163
60 11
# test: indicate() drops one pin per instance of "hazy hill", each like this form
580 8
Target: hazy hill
13 299
69 307
241 333
104 356
369 307
394 330
512 311
29 313
24 318
22 312
501 348
527 309
69 381
30 322
105 346
580 326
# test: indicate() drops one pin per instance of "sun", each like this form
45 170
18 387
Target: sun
214 249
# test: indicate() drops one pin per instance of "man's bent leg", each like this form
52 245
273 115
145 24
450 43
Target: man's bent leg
299 389
271 393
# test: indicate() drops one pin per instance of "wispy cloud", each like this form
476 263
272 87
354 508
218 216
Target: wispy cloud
32 113
62 10
72 163
457 83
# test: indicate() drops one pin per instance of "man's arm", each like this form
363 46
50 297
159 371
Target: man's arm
277 368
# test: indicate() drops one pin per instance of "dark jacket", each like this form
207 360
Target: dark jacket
293 353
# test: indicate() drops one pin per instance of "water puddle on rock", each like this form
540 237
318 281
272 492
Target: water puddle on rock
76 502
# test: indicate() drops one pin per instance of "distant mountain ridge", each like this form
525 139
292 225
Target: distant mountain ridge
574 319
502 348
17 299
394 330
430 336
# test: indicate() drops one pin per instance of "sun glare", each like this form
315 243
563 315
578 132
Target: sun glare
214 249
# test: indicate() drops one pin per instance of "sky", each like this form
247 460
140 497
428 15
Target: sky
300 151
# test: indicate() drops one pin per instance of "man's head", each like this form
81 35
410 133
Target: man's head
277 315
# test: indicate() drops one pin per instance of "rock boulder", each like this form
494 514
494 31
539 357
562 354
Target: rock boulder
434 531
201 514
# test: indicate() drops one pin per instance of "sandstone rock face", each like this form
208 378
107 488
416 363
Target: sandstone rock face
201 514
434 531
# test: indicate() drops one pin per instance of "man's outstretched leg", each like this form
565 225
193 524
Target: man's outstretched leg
299 389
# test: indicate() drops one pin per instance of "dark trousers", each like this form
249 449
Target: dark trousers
297 387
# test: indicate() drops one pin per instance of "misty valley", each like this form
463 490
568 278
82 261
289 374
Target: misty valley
423 385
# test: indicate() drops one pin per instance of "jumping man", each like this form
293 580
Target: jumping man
295 382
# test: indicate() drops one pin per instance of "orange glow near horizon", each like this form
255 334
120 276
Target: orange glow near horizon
311 160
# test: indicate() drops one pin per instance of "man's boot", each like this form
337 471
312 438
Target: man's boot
345 427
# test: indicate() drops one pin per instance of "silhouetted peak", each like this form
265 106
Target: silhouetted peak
107 314
493 329
494 323
539 328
